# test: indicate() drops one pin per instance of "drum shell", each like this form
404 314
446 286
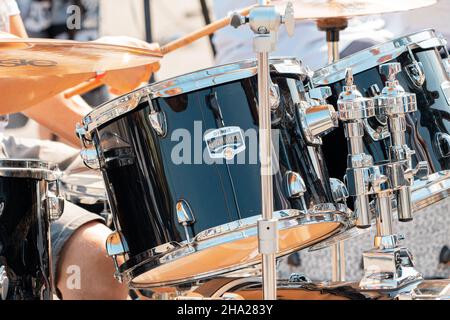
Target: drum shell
25 238
431 118
144 184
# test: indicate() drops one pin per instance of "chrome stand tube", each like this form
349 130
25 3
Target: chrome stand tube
338 249
264 21
384 214
265 143
338 261
333 51
353 109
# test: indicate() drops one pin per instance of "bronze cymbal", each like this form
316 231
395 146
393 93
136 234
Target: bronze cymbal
46 57
324 9
32 70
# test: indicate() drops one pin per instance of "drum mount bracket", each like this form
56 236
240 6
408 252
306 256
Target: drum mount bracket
268 236
387 266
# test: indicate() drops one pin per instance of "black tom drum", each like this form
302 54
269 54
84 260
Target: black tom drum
180 163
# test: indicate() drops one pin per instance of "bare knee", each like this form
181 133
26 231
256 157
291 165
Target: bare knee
84 270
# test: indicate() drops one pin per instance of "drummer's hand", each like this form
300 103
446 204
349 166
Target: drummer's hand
124 81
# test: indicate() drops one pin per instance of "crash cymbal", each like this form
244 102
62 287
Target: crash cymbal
324 9
32 70
46 57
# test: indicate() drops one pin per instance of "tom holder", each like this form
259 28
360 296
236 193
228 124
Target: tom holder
388 265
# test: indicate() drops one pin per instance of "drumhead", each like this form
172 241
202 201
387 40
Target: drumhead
376 55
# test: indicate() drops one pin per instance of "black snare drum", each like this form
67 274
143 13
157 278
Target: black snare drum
26 210
423 73
179 160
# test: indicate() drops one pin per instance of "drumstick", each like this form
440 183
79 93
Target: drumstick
171 46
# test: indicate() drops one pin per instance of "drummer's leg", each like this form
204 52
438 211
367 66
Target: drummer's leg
82 268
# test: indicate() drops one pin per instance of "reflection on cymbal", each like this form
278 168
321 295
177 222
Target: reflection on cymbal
323 9
32 70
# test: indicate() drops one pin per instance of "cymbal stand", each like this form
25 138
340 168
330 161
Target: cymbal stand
264 20
333 27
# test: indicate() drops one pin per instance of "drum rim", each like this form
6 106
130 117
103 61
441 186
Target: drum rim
364 60
329 212
29 168
185 83
430 191
412 291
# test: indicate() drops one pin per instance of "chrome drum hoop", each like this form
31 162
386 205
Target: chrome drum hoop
184 84
376 55
227 233
29 168
235 288
425 192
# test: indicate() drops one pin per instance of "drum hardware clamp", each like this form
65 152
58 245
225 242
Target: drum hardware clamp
415 71
274 96
443 144
87 153
339 190
353 108
389 266
157 118
295 187
116 246
317 118
378 130
185 217
54 203
264 20
299 278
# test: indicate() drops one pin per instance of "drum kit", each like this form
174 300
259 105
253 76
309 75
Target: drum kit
343 149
